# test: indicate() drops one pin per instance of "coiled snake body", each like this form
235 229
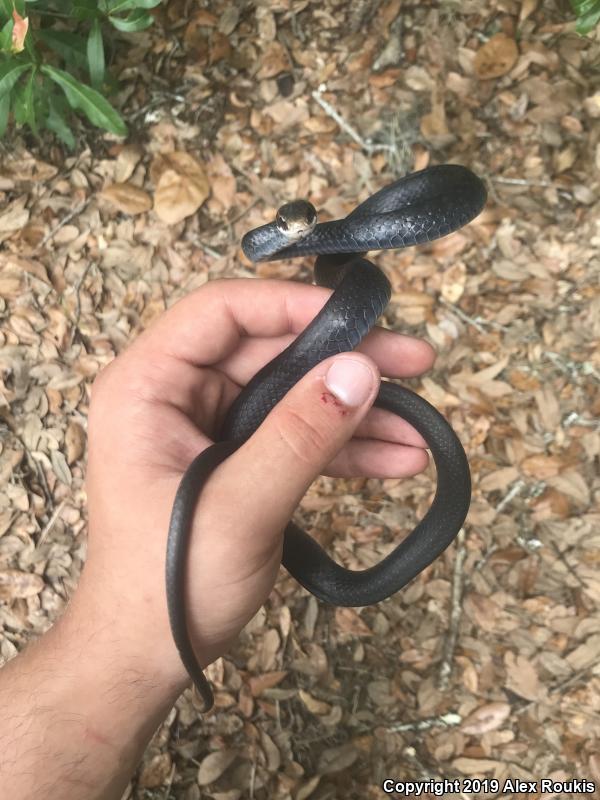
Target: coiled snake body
418 208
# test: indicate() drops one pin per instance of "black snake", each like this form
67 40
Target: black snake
418 208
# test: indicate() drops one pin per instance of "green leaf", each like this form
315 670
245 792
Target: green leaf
136 21
68 45
7 7
581 7
588 14
4 111
56 122
95 55
97 109
10 72
587 23
6 36
85 9
116 6
23 104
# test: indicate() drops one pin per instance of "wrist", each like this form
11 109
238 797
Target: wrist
120 639
77 710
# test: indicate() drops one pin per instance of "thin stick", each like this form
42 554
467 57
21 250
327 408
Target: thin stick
345 126
50 524
455 612
521 182
445 721
478 323
76 211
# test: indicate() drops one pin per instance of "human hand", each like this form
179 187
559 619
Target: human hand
162 402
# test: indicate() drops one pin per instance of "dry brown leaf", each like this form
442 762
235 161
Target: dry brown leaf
496 57
181 186
565 158
15 583
11 284
222 182
214 765
591 105
127 160
521 676
453 282
271 752
287 114
499 479
475 766
268 650
542 466
572 484
586 654
488 373
74 441
156 772
14 216
60 467
527 9
433 125
488 717
127 198
349 622
314 706
335 759
258 683
229 20
27 167
306 789
380 692
273 61
412 298
219 48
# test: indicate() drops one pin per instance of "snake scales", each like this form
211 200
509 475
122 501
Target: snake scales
420 207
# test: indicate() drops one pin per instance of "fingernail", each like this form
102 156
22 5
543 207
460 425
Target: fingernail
350 381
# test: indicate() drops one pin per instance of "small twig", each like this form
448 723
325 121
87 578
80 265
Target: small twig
366 144
448 720
576 419
455 612
170 783
38 467
50 524
476 322
252 778
74 213
563 559
77 287
242 213
572 368
521 182
206 248
516 489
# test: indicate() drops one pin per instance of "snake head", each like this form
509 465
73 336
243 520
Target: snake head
296 220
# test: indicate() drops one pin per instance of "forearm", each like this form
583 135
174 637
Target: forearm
77 710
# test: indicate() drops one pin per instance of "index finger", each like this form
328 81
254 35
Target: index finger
208 324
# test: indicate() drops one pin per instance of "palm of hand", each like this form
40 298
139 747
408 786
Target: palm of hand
160 404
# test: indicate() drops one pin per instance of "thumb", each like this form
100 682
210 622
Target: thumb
302 434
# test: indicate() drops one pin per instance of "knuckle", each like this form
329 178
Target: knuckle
302 436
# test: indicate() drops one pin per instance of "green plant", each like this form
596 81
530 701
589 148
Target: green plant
587 13
52 61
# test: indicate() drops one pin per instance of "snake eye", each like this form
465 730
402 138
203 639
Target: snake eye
281 223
